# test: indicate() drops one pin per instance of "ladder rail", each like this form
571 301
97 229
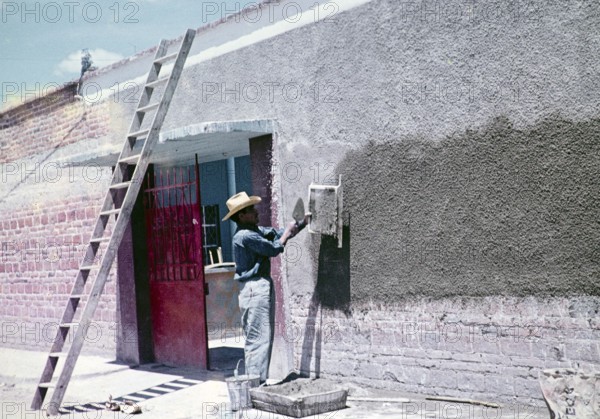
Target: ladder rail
108 209
145 97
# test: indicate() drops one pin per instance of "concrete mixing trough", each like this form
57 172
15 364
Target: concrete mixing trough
299 398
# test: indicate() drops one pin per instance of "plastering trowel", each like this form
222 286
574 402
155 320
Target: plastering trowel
302 218
298 213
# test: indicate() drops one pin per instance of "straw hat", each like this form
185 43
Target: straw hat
240 201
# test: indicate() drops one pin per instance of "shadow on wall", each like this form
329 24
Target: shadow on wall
495 211
332 291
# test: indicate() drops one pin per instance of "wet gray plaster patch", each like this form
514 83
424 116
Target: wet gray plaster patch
323 206
332 289
493 211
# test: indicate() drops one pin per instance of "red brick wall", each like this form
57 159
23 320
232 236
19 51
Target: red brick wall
41 250
45 226
49 122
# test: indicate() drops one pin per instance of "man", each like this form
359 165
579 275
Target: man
252 248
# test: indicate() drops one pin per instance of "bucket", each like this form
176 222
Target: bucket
239 387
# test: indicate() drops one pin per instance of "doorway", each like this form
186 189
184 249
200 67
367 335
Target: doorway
187 246
215 144
173 219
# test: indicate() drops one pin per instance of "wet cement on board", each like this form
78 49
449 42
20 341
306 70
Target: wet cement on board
301 387
323 206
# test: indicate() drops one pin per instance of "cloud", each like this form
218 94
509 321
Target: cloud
72 64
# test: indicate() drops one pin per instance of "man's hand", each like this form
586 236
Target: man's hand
290 231
304 222
294 228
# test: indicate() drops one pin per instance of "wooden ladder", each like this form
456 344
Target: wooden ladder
114 205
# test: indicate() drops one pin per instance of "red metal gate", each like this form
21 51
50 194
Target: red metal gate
177 291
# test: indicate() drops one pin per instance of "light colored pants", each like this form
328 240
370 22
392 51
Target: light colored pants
257 303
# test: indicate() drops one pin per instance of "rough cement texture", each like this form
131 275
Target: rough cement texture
323 206
497 210
333 282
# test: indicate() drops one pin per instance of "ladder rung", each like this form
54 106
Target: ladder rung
148 108
166 58
141 133
121 185
47 385
71 324
77 296
157 82
87 268
130 159
111 212
100 240
58 354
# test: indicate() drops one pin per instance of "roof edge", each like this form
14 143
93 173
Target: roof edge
142 54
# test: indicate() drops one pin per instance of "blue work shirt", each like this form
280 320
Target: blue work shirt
252 248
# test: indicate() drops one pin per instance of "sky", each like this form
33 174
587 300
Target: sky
41 41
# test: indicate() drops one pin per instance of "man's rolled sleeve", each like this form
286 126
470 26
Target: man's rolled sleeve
271 233
262 246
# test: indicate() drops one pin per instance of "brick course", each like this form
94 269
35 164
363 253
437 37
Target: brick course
454 347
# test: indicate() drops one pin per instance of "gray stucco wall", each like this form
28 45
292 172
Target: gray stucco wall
469 153
494 211
468 144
